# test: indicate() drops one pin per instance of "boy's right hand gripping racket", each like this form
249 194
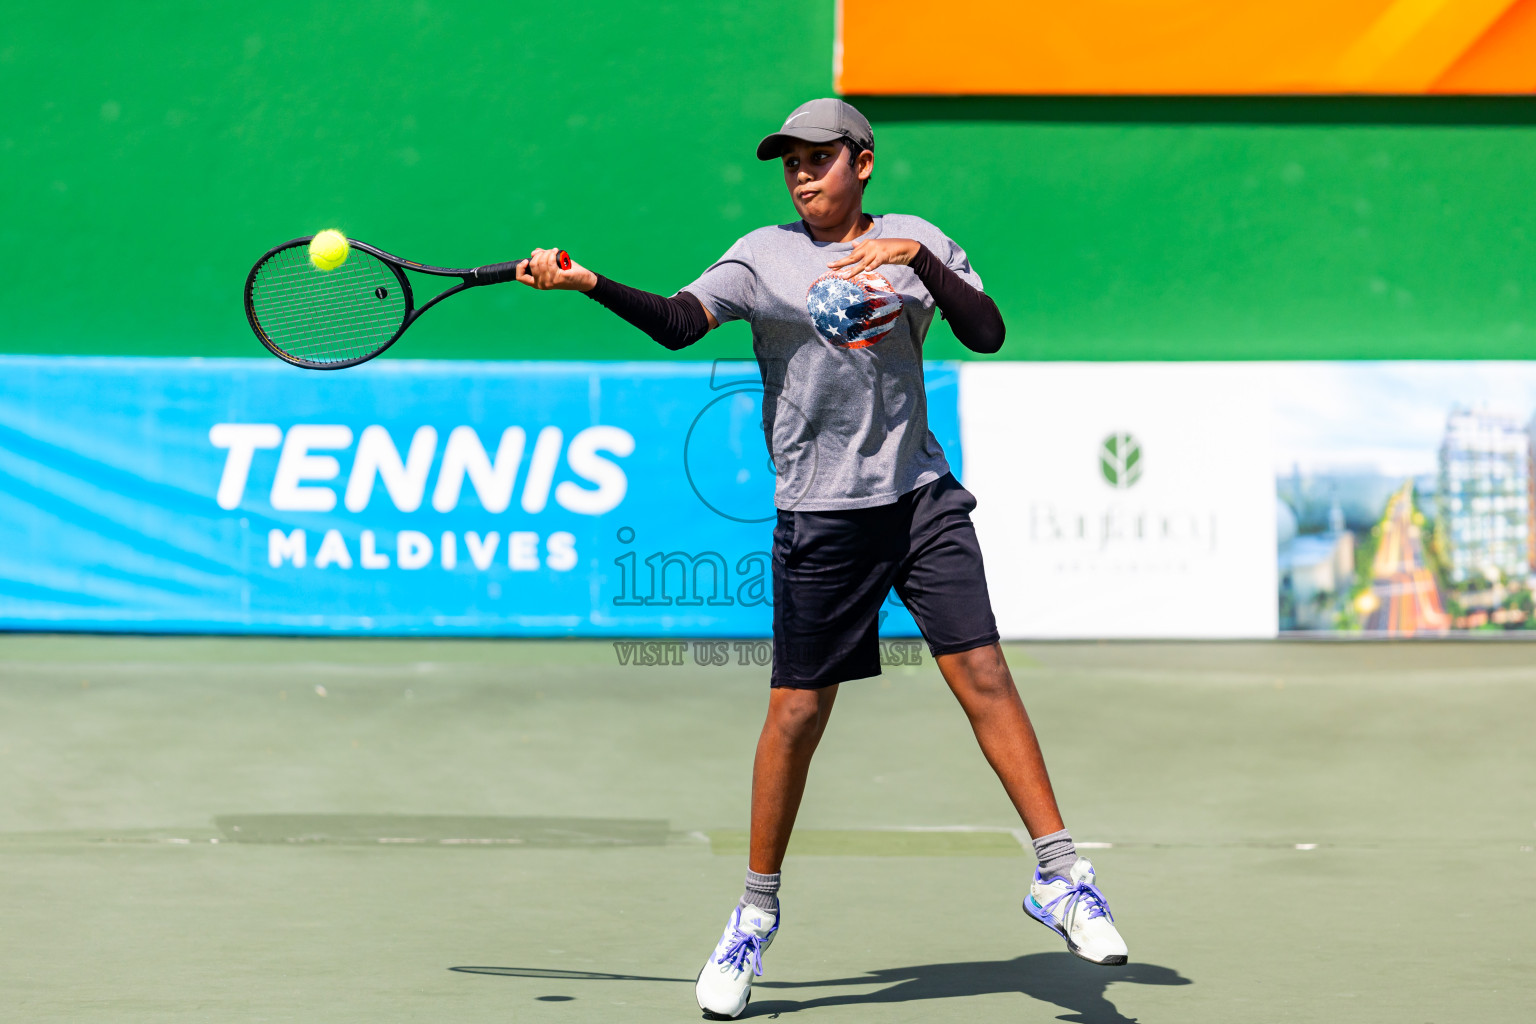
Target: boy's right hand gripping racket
330 319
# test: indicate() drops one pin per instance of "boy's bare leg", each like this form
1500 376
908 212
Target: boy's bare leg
1067 903
980 679
796 720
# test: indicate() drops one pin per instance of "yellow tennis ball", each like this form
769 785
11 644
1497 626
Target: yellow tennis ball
328 250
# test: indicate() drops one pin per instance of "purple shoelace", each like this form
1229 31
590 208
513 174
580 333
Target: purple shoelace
745 949
1082 891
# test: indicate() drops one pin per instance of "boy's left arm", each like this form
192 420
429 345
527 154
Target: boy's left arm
971 313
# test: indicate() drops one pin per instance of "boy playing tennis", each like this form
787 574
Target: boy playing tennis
839 304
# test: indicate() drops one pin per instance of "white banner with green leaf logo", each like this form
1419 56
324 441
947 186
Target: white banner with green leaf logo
1123 499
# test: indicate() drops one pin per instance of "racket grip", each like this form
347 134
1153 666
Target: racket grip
495 273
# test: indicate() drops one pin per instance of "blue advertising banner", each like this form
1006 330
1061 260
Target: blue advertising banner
400 497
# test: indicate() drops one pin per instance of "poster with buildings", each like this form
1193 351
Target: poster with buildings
1405 502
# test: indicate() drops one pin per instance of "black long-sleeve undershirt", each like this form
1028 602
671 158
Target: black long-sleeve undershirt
971 313
679 321
675 322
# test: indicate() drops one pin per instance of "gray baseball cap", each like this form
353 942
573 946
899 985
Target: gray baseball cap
822 120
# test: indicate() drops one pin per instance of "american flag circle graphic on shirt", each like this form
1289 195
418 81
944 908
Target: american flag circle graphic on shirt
853 312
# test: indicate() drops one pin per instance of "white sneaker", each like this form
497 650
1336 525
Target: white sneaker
725 984
1072 908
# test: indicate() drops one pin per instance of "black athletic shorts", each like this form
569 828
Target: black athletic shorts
833 570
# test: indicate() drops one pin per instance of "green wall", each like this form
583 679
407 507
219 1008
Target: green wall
153 150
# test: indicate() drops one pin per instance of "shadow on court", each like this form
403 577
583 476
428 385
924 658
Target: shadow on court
1058 978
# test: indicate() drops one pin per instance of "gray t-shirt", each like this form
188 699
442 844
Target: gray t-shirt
844 408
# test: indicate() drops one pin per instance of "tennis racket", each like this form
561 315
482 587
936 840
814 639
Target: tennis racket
331 319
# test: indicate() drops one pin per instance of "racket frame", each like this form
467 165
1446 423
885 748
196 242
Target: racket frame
470 277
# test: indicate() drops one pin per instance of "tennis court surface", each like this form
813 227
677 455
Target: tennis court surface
309 830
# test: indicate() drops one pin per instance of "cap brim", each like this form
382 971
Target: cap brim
772 147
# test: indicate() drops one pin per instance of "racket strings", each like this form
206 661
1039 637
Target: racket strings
327 316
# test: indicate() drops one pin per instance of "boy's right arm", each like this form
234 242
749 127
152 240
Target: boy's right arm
675 322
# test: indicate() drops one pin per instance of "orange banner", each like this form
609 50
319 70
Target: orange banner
1172 47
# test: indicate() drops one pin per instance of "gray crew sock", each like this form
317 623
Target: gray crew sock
762 891
1057 854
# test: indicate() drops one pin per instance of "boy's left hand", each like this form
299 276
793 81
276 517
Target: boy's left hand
874 253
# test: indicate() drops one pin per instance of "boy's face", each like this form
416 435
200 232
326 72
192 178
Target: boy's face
825 180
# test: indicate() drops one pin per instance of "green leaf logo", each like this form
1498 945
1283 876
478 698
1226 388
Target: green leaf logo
1120 460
